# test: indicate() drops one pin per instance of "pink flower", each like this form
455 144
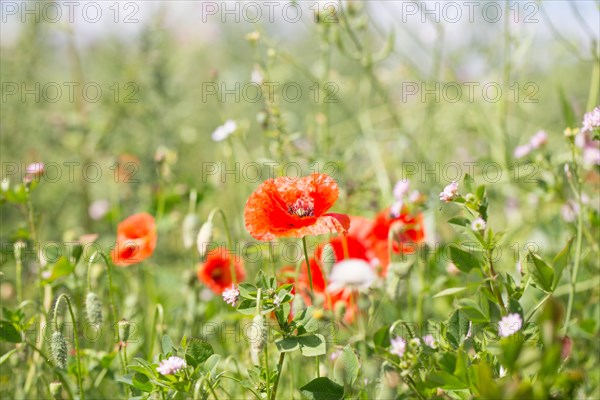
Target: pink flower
231 295
398 346
450 192
591 120
538 140
509 325
522 151
171 365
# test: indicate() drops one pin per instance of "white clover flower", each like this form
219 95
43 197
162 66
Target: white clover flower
509 325
522 150
398 346
171 365
450 192
231 295
224 131
351 273
478 224
429 341
277 301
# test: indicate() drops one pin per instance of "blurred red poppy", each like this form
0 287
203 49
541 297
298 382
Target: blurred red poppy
286 207
136 240
407 232
215 272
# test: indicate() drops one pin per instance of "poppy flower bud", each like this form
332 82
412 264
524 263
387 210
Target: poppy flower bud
124 330
328 258
189 228
93 309
58 348
259 339
204 237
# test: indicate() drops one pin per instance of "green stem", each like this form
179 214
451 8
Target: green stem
279 369
312 293
229 240
158 313
75 338
19 271
113 308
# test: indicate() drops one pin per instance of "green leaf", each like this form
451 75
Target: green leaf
287 344
312 345
541 273
247 290
9 332
167 344
381 338
211 363
457 328
142 382
473 310
61 268
460 221
247 307
511 347
445 380
560 262
465 260
449 292
345 370
7 355
322 389
197 351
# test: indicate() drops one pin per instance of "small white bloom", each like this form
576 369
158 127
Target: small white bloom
351 273
522 150
478 224
429 341
171 365
538 140
5 185
204 237
257 76
35 168
401 188
231 295
502 372
398 346
277 301
224 131
450 192
470 198
415 342
509 325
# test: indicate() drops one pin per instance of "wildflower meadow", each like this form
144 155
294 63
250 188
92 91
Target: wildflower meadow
303 199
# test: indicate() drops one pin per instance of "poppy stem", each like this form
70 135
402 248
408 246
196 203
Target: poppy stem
229 241
75 339
308 266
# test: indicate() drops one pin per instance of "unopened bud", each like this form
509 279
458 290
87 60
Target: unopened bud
204 237
93 308
260 339
124 330
189 228
58 348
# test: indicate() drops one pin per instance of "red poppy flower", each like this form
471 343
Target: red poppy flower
330 300
286 207
408 231
136 239
352 245
215 272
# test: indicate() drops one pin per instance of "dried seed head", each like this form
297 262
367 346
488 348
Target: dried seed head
93 308
58 347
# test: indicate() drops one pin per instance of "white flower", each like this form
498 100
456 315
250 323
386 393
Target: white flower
171 365
522 150
478 224
257 76
231 295
277 301
538 140
351 273
502 372
5 185
450 192
398 346
224 131
509 325
429 341
401 188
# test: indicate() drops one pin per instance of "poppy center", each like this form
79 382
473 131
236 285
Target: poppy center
303 207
